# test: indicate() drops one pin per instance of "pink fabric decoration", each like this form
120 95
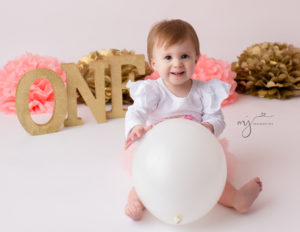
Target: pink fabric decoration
208 69
152 76
41 95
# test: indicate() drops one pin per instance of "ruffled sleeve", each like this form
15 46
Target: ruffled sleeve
145 96
213 94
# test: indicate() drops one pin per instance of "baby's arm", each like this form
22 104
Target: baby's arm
136 133
213 94
208 126
146 97
216 121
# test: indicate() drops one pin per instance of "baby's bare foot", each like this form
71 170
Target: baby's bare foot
247 194
134 209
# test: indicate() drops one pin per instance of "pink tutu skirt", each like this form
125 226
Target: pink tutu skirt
127 158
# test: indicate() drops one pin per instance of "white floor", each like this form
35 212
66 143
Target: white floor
72 180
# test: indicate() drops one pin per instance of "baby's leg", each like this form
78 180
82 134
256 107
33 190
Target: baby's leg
241 199
134 208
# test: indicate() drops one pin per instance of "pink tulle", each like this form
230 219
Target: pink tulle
208 69
41 95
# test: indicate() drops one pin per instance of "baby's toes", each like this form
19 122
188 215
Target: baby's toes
258 181
134 210
128 210
136 205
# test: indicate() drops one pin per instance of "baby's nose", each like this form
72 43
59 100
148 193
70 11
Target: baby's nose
177 63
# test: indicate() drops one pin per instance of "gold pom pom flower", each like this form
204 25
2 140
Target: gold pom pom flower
270 70
127 70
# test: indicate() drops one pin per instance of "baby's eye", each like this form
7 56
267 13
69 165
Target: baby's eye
168 57
184 56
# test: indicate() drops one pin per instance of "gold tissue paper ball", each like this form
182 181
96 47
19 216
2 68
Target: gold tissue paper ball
270 70
83 66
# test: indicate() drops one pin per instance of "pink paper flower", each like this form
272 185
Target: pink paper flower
208 69
41 95
152 76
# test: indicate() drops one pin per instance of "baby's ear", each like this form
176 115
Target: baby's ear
152 63
197 58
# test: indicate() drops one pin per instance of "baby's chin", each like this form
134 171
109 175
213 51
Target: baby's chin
180 81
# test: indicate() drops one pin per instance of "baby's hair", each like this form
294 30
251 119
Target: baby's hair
169 32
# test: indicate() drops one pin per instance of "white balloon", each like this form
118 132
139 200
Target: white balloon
179 171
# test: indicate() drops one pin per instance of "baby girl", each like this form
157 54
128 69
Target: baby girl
173 51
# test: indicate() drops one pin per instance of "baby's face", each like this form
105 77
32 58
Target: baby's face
175 64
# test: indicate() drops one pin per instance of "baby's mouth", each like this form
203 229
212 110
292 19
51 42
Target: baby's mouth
177 73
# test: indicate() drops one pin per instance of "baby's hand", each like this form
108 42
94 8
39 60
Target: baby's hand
136 133
208 126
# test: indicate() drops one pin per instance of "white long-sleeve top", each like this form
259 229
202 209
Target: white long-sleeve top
154 102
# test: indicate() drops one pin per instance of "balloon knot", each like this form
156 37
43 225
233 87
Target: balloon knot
178 219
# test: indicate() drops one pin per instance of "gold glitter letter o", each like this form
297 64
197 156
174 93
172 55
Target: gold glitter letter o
60 98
